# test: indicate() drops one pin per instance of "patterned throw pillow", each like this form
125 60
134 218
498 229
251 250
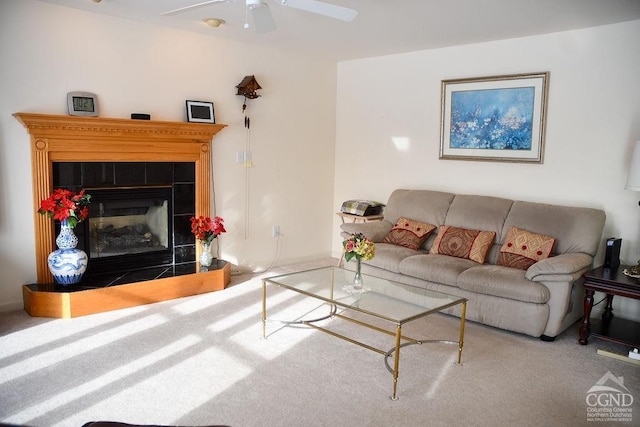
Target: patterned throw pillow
409 233
463 243
521 248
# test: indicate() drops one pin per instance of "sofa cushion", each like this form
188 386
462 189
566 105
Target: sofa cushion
479 213
388 257
463 243
435 268
503 282
575 229
422 205
409 233
521 248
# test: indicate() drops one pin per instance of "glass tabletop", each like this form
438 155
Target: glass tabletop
386 299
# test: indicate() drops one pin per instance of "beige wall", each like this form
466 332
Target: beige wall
47 51
593 119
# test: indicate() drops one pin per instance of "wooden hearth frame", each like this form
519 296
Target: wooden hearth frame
60 138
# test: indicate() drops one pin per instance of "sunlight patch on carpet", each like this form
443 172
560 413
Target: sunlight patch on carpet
57 329
80 392
203 302
281 303
78 347
216 371
280 339
433 390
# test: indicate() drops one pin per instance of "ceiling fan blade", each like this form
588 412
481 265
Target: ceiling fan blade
322 8
262 19
193 6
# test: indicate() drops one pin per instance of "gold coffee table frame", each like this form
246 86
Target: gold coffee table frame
382 299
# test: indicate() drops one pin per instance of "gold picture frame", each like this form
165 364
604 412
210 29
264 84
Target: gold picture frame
496 118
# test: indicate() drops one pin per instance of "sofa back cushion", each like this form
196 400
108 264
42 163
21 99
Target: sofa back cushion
479 213
575 229
420 205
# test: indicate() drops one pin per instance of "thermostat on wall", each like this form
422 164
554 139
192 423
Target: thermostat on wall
82 104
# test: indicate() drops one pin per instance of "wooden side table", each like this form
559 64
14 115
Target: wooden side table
356 218
611 281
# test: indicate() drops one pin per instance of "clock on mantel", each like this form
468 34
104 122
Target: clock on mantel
82 104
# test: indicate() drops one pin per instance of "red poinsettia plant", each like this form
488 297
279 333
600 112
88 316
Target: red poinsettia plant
67 205
207 229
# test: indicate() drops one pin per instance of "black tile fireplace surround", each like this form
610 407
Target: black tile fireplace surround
178 259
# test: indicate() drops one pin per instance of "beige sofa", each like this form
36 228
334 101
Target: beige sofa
541 301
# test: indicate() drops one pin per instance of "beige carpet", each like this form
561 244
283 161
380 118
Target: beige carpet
201 360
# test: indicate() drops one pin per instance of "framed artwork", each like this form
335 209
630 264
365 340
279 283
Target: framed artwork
499 118
200 112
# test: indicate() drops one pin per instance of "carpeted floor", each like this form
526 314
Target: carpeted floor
201 360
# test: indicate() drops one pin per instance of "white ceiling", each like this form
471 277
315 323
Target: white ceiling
382 27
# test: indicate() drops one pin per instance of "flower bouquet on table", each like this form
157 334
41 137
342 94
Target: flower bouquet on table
359 247
205 230
67 263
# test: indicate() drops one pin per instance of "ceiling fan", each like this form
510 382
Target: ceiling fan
262 18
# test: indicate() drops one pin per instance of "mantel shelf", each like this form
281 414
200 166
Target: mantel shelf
79 127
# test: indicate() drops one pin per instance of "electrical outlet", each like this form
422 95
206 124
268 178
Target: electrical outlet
275 231
240 157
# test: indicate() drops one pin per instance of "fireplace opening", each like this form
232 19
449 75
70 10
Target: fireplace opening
128 228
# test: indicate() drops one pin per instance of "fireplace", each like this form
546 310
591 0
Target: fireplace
139 216
128 228
113 155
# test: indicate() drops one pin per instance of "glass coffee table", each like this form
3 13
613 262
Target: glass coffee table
380 299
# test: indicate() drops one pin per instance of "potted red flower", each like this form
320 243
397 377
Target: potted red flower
205 230
67 263
66 205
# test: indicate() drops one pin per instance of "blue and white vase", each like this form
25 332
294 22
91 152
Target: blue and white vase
67 264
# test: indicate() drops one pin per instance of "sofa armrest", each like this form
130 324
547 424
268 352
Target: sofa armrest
374 230
560 268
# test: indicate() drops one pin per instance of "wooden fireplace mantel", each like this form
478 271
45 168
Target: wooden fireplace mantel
57 138
62 138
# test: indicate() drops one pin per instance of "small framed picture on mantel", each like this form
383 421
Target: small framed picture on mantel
200 112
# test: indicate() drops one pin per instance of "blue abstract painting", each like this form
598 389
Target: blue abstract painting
496 119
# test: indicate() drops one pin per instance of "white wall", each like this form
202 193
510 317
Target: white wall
592 121
47 51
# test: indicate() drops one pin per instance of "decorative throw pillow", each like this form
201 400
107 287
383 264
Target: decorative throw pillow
463 243
409 233
521 248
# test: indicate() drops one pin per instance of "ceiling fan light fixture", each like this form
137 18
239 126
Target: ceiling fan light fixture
253 3
261 13
213 22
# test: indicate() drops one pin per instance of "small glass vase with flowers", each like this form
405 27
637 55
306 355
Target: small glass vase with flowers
205 230
359 247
